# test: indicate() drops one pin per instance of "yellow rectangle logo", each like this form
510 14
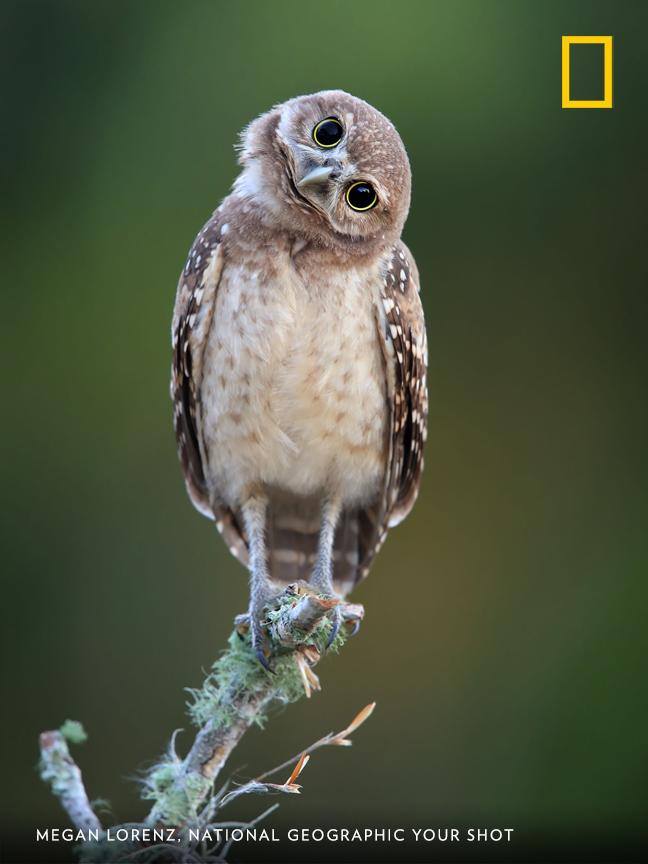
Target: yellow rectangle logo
606 101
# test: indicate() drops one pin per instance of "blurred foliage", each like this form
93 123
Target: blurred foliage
522 685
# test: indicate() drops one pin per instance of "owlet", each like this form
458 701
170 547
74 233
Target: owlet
299 351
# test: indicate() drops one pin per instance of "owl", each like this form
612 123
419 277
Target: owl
300 354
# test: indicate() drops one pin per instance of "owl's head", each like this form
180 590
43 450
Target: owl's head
328 167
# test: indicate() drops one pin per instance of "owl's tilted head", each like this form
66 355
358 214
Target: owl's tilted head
328 167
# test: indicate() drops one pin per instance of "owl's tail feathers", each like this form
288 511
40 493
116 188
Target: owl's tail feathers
292 537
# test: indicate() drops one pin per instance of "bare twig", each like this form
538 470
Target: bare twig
259 788
58 768
339 739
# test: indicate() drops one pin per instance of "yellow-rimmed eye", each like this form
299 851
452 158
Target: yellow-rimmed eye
328 132
361 196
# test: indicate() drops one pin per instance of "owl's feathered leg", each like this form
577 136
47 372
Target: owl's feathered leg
322 576
261 589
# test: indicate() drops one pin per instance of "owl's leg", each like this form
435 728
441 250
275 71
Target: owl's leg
322 577
261 589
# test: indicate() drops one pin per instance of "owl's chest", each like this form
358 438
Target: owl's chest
294 385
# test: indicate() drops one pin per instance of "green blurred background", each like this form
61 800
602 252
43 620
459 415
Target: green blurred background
505 634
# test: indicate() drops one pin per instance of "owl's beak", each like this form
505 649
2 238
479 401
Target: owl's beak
316 176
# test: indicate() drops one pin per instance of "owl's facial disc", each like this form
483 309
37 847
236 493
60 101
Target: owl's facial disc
328 167
325 171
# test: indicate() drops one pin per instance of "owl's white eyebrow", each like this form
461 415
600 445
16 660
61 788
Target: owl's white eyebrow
306 148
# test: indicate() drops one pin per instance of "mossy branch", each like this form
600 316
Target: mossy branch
236 694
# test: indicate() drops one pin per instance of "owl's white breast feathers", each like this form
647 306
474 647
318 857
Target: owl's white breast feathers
293 386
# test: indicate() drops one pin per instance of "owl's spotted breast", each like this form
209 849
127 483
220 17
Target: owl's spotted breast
293 391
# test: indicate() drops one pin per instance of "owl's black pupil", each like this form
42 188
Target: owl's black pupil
328 133
362 196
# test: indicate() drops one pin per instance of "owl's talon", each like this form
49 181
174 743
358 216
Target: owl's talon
336 620
355 626
259 643
263 660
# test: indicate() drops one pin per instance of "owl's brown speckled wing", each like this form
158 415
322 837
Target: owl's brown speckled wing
405 352
406 327
192 319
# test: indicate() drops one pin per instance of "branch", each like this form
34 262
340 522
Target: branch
58 768
237 694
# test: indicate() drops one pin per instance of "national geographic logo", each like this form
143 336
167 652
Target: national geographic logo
567 42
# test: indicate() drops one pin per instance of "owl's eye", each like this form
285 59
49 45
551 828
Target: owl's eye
361 196
328 132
